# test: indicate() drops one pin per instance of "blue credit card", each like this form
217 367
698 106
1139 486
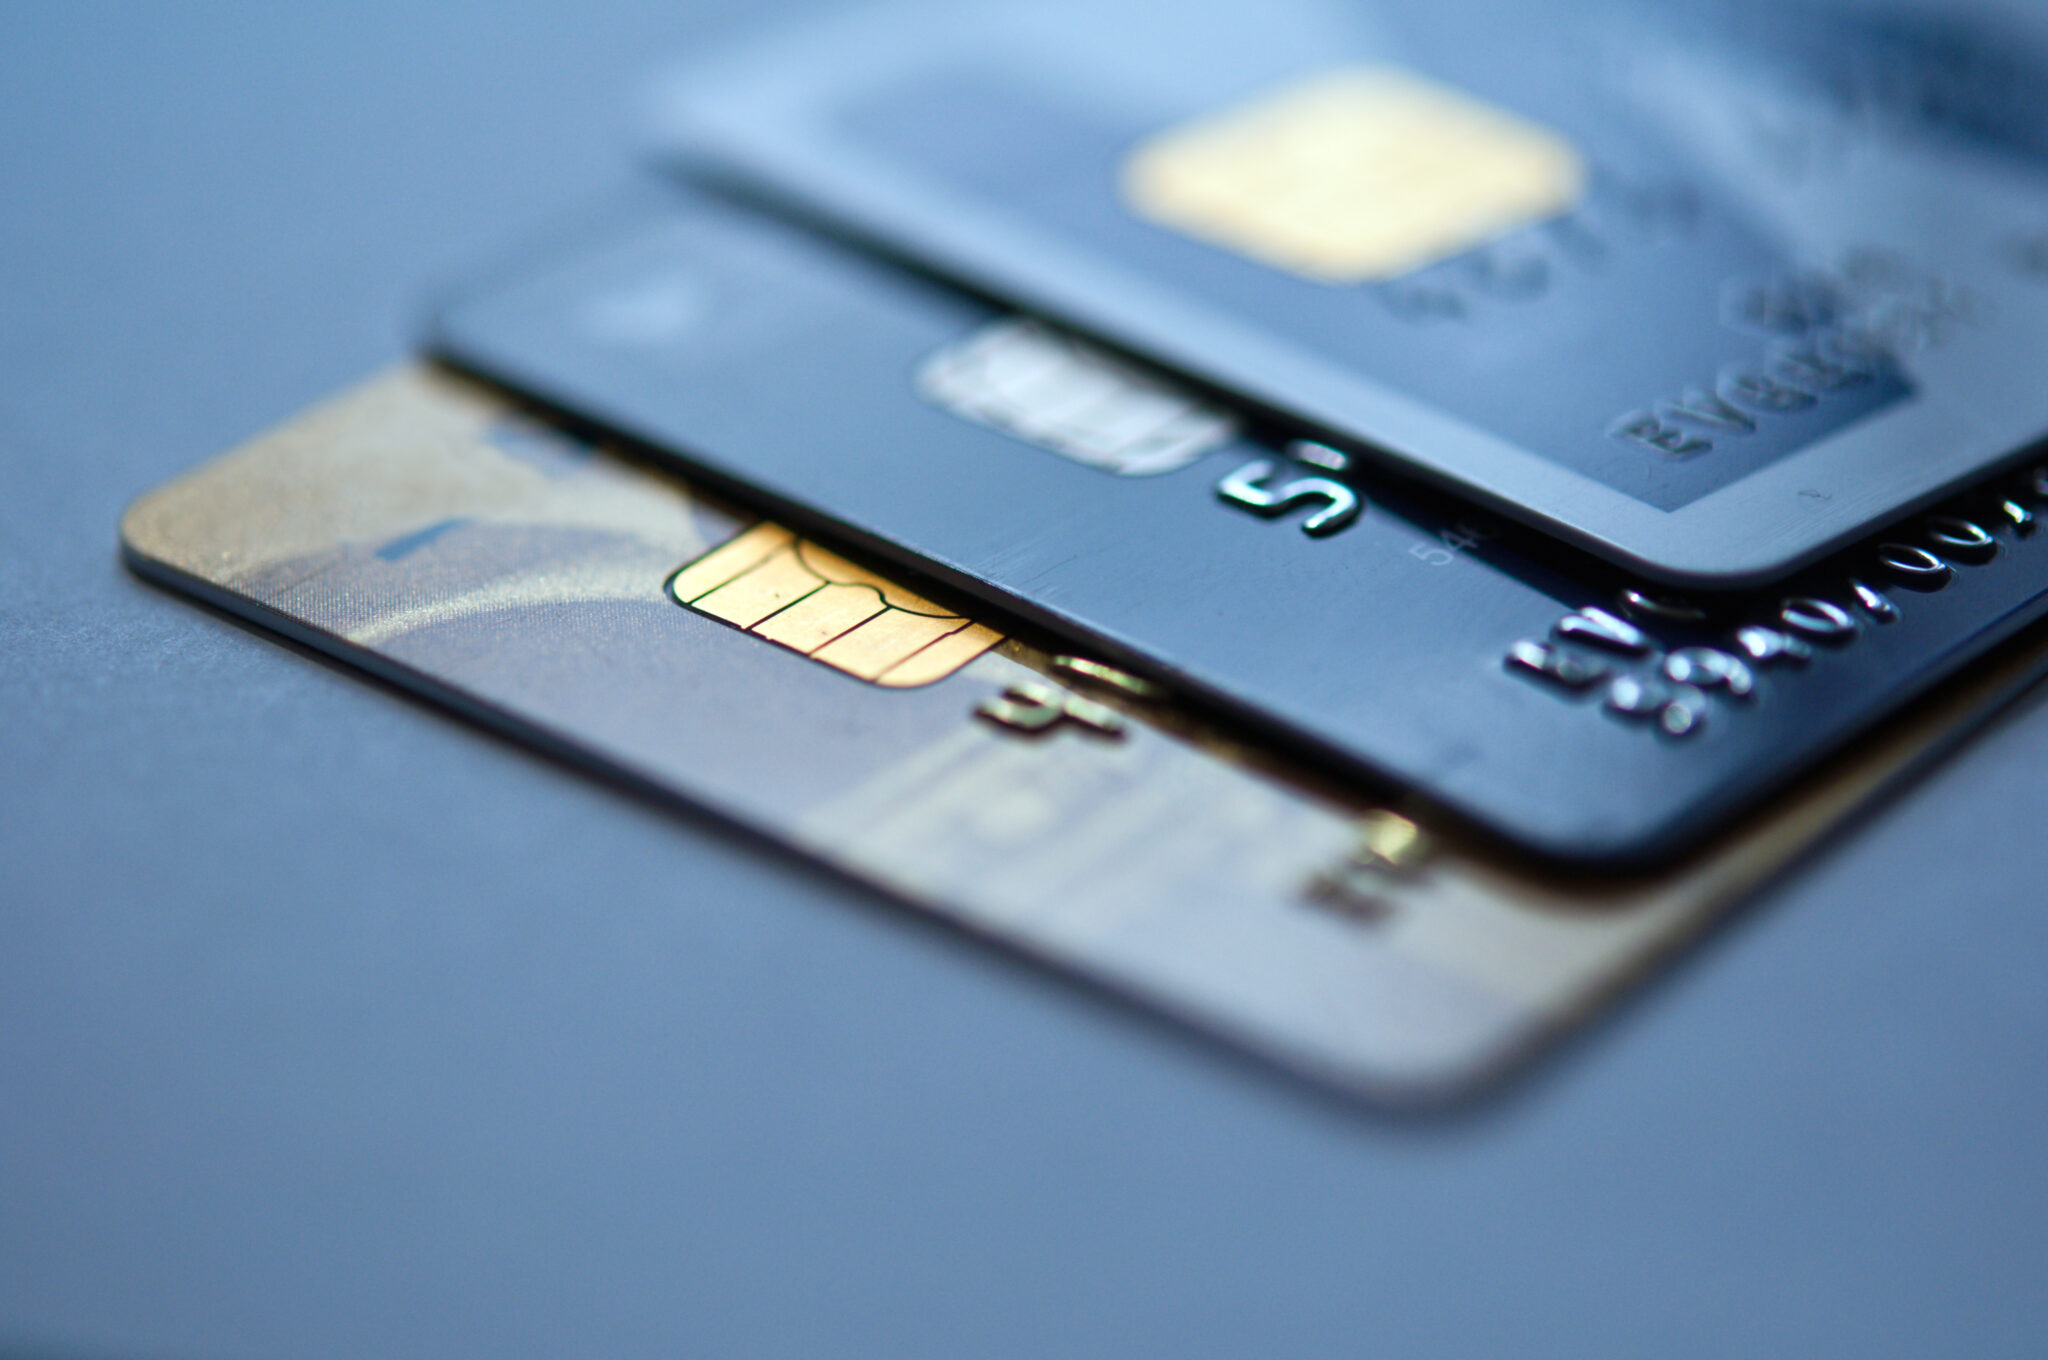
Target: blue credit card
1563 704
1707 289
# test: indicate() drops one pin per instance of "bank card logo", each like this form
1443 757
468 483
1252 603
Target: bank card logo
797 595
1046 387
1354 175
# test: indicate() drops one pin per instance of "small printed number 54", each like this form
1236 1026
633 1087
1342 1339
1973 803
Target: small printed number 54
1456 539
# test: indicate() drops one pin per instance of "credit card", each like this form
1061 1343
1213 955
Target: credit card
435 534
1708 289
1534 690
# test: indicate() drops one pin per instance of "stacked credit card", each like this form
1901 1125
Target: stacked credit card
1361 526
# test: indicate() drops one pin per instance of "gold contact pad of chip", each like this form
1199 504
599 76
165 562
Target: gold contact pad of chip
1354 175
796 594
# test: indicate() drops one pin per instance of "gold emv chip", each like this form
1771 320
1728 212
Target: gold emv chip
797 595
1353 175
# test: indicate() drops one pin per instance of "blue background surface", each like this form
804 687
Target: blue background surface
331 1027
